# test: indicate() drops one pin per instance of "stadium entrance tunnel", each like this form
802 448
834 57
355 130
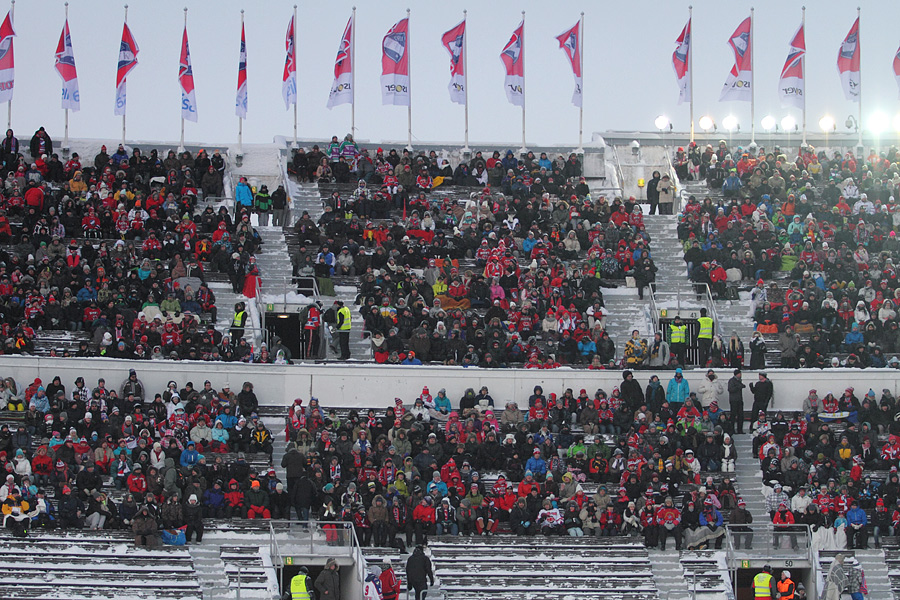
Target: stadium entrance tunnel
287 327
744 579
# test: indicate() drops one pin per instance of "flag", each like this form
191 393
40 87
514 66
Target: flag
341 92
792 85
289 77
738 86
395 65
7 63
454 42
65 66
570 42
681 60
848 63
240 101
186 80
897 67
513 58
128 51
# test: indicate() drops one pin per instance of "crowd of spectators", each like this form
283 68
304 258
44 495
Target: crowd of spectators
833 466
99 457
510 275
625 463
117 246
828 222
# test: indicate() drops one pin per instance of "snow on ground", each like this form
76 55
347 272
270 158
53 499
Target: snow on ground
288 298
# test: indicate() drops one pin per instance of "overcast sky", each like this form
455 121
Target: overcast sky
628 75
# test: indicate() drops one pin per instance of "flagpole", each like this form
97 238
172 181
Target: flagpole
296 91
409 91
352 73
123 111
860 149
523 149
803 66
65 146
466 149
691 66
240 118
752 85
181 146
580 149
12 17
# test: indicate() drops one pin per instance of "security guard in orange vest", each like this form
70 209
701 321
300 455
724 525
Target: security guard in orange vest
764 585
786 587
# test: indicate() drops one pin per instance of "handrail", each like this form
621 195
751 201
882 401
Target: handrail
619 174
654 308
711 303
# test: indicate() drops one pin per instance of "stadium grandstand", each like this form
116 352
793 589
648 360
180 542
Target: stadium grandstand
643 370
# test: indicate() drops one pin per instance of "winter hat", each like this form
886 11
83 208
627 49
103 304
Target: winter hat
192 498
279 487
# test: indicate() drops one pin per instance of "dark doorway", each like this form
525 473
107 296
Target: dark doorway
287 327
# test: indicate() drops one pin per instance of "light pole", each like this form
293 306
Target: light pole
730 123
854 124
789 124
769 125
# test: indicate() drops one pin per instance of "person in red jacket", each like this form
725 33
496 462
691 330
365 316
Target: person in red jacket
424 521
234 500
610 520
137 483
390 583
783 519
668 519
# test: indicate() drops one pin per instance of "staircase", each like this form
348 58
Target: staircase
230 568
673 288
748 472
274 262
667 573
304 197
734 315
874 566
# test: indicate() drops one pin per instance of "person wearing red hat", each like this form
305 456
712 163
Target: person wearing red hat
881 522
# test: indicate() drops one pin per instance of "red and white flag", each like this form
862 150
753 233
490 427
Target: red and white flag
848 63
513 58
570 42
289 77
240 100
897 67
455 43
65 66
186 81
341 91
128 51
395 65
792 85
739 85
7 63
681 61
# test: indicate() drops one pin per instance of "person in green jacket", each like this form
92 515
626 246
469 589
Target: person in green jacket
263 205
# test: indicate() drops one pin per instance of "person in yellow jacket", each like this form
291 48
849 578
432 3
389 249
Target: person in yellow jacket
785 586
764 587
678 333
300 585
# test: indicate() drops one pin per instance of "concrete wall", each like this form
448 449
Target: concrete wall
377 386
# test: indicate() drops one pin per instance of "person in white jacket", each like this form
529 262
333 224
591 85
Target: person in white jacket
711 389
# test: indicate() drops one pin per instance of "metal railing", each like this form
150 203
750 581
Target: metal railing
314 538
619 174
711 306
654 307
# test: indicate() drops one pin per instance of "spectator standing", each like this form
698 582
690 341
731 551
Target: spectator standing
763 391
653 193
419 572
328 583
678 332
736 401
280 208
263 205
342 329
666 192
836 581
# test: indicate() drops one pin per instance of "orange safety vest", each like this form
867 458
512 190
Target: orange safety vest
783 587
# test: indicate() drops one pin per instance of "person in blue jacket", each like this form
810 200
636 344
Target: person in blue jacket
857 533
536 464
214 501
189 456
678 391
243 195
711 517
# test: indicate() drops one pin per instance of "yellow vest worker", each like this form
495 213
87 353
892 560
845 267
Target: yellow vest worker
762 584
300 586
706 328
238 320
786 587
345 323
677 333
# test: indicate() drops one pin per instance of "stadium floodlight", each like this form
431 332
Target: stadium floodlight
789 123
706 123
662 122
768 123
730 123
827 124
878 122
